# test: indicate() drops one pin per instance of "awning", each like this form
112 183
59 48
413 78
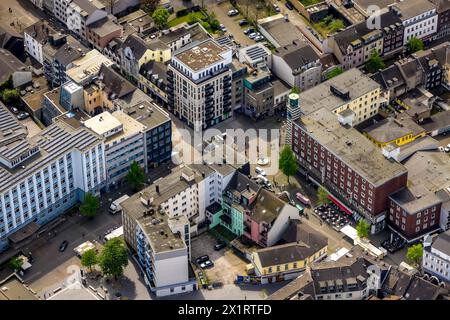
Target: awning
341 206
24 232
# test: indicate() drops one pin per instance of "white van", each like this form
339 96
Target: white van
264 180
260 171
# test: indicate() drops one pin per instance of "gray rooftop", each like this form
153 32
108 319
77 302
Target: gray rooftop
282 31
52 143
391 129
320 96
358 152
411 8
146 112
442 243
428 173
297 54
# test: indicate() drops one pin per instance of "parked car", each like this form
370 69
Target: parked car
289 5
233 12
23 115
223 28
258 38
63 246
253 35
447 149
243 22
14 110
442 149
220 246
249 31
260 171
207 264
202 259
265 181
276 8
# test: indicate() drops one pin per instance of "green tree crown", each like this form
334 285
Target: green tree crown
113 258
287 162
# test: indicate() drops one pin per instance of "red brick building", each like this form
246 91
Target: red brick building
347 164
424 205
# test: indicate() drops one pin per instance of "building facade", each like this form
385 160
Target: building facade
199 84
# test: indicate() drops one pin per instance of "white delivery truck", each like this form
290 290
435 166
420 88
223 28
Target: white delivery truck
115 206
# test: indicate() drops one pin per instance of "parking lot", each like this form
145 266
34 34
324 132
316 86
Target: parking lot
227 265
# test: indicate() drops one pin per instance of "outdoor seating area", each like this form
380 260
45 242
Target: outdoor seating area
333 215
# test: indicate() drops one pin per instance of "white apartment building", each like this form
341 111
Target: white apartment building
297 64
419 17
199 84
436 256
35 37
44 175
124 143
161 243
78 14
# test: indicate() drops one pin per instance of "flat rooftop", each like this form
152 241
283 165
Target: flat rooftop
148 113
103 123
282 31
358 152
393 128
428 173
13 289
87 65
202 55
354 81
412 8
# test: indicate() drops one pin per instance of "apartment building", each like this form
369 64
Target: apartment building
423 205
301 246
199 84
14 69
82 13
44 175
101 32
139 21
161 242
124 143
258 94
255 55
351 95
419 19
183 36
153 80
297 64
348 164
59 56
443 25
247 209
135 52
36 36
436 256
87 67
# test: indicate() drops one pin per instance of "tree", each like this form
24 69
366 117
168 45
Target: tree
374 63
135 176
362 229
295 90
287 163
335 72
149 6
89 259
415 253
414 44
10 95
160 16
16 263
90 206
336 24
113 258
322 196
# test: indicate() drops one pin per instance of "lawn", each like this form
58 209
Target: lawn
307 3
176 21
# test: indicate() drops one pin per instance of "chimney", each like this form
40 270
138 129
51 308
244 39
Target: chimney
157 188
248 187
